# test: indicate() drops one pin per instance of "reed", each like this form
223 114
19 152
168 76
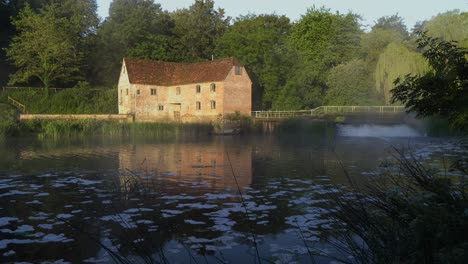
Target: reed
87 128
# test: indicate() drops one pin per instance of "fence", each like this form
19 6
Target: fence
328 110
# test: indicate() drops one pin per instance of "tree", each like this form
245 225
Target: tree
350 84
198 29
393 23
323 40
396 61
133 28
43 47
441 91
449 26
260 44
376 41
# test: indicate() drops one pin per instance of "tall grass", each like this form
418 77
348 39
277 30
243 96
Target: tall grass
87 128
414 215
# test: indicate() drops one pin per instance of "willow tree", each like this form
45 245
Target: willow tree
43 47
449 26
396 61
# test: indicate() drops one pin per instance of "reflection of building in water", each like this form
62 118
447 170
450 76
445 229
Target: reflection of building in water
205 163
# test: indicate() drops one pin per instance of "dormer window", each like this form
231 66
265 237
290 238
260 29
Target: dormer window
238 70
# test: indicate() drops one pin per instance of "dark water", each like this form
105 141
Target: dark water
190 201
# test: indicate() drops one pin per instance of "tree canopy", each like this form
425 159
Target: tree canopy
44 47
443 90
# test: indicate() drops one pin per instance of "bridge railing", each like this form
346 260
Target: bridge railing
16 103
328 110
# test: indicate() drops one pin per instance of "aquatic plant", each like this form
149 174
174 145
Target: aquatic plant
414 215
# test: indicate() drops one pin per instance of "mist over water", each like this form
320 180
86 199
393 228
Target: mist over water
377 131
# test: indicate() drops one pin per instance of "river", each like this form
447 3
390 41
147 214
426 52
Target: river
195 200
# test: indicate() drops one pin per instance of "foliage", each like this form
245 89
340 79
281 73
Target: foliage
396 61
350 84
259 42
393 23
441 91
376 41
449 26
43 48
68 101
198 29
8 121
323 40
413 215
133 26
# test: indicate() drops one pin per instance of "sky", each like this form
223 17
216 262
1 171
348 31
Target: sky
412 11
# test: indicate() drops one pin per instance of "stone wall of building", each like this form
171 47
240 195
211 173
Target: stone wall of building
238 92
177 102
124 90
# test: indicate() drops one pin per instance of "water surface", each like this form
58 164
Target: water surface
190 200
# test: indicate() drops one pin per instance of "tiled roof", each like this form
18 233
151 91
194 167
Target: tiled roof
171 73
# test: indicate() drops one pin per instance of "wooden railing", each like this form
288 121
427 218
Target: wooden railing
328 110
14 102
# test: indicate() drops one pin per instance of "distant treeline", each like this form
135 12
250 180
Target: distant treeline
323 58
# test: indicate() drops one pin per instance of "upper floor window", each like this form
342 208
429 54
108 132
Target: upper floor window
213 104
198 88
153 91
177 90
161 107
238 70
198 105
213 87
138 91
126 92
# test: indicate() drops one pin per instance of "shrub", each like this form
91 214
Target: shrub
9 124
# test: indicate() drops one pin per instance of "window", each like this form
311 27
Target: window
138 91
213 87
120 101
198 106
126 92
198 88
213 104
238 70
153 91
177 90
161 107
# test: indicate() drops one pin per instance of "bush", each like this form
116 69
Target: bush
79 100
9 124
